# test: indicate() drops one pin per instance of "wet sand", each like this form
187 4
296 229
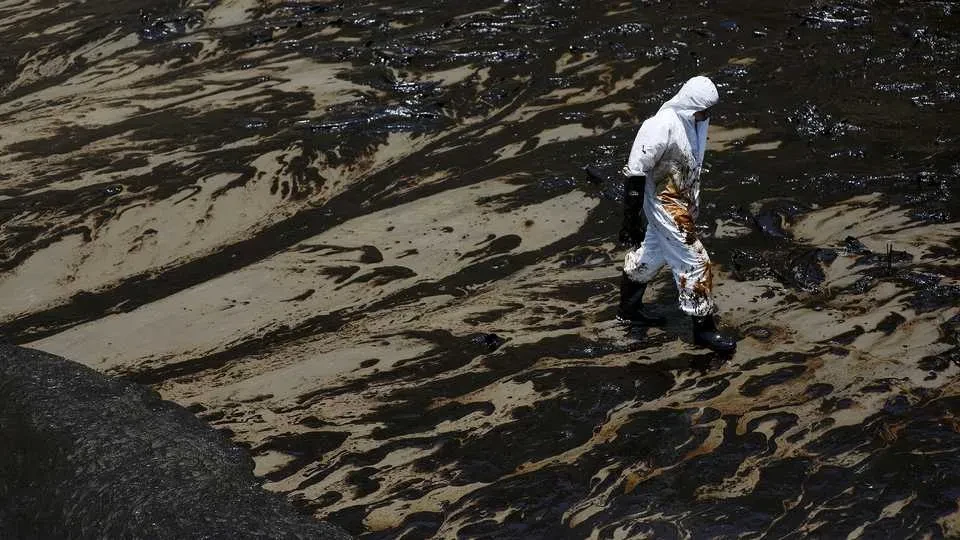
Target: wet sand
358 238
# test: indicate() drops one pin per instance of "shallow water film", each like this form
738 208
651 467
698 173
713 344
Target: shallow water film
358 237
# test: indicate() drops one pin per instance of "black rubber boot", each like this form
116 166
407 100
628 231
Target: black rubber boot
705 334
631 304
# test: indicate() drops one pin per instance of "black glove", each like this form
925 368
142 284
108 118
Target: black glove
633 229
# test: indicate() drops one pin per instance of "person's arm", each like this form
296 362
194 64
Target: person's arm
648 148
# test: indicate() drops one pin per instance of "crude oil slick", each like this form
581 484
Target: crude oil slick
358 236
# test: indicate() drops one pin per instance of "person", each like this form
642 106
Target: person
663 177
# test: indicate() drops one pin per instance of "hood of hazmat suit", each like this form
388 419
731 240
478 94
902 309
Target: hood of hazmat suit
673 135
697 94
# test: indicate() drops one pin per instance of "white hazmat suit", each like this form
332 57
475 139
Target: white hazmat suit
668 151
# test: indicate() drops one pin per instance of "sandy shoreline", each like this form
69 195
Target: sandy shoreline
360 241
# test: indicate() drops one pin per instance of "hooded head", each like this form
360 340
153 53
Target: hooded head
697 94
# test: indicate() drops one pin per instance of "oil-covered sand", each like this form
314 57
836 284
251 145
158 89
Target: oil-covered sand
357 236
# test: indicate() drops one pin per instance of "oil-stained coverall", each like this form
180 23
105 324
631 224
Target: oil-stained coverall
668 153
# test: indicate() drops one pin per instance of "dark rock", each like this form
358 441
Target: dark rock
88 456
489 341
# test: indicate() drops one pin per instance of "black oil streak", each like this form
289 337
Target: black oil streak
858 95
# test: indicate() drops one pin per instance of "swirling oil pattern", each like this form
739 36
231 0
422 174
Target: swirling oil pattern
358 237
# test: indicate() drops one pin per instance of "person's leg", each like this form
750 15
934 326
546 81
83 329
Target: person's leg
693 275
639 267
642 264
